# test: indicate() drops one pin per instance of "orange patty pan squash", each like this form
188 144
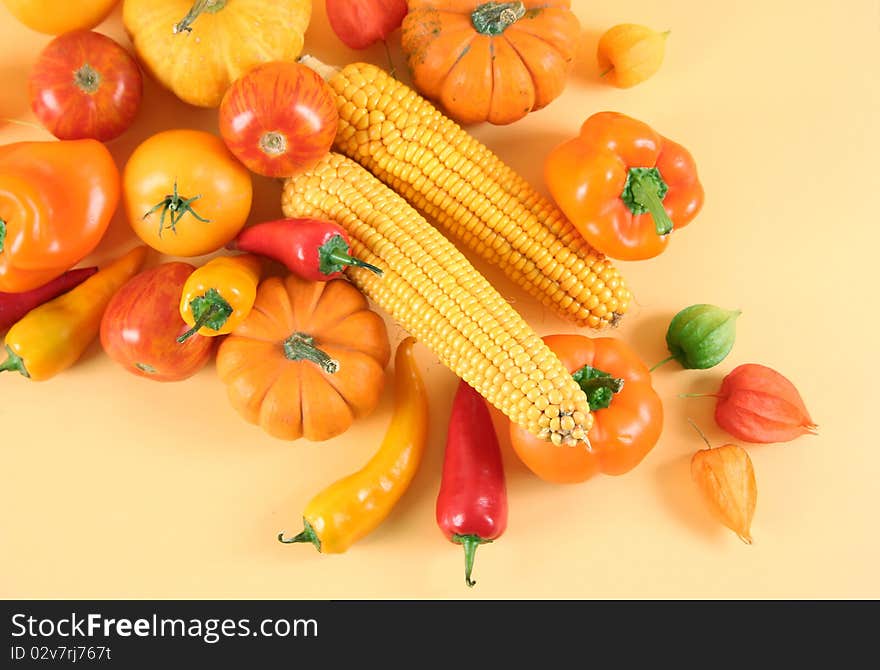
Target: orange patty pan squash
197 48
490 61
307 361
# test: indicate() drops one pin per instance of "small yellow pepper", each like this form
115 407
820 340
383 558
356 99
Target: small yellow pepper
354 506
219 295
52 337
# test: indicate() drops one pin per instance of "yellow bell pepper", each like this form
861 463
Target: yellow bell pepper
219 295
354 506
52 337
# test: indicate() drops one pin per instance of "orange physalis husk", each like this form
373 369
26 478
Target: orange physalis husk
726 479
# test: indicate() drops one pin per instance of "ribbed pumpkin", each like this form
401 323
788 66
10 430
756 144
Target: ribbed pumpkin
197 48
490 61
308 360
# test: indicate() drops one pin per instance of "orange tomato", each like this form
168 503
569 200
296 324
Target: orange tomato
623 431
54 17
185 194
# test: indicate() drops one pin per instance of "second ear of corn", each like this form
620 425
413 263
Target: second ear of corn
431 289
466 189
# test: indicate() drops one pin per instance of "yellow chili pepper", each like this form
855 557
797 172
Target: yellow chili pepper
219 295
52 337
354 506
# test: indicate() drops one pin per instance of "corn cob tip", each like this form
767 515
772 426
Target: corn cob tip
325 71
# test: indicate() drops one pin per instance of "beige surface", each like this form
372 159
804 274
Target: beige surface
113 486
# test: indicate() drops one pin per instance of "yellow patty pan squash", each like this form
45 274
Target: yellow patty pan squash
197 48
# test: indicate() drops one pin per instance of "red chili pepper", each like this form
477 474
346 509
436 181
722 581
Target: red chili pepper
472 503
13 306
313 249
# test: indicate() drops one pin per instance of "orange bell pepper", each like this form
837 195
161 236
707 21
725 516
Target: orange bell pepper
624 186
627 413
219 295
56 201
53 336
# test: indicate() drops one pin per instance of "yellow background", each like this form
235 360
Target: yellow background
117 487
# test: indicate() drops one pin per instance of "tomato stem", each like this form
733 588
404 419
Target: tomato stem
2 233
697 428
185 25
308 535
273 143
13 363
87 79
470 544
179 207
606 72
301 347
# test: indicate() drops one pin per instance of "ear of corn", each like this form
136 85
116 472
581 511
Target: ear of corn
434 292
458 182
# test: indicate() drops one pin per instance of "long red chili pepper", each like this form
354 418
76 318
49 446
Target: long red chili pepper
13 306
472 503
311 248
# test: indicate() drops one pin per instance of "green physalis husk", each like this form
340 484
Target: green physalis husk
701 336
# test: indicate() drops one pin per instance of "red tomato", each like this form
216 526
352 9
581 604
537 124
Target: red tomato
142 323
279 119
85 85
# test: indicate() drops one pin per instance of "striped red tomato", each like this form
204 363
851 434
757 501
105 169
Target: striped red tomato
279 119
85 85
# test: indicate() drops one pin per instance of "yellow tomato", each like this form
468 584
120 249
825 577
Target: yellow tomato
185 193
54 17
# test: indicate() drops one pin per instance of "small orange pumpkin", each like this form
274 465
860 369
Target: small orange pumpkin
490 61
307 361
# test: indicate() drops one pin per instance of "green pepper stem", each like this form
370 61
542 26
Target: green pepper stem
345 259
185 25
646 193
308 535
613 384
301 347
211 313
663 362
13 363
470 544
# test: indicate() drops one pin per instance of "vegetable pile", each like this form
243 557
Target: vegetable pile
382 193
